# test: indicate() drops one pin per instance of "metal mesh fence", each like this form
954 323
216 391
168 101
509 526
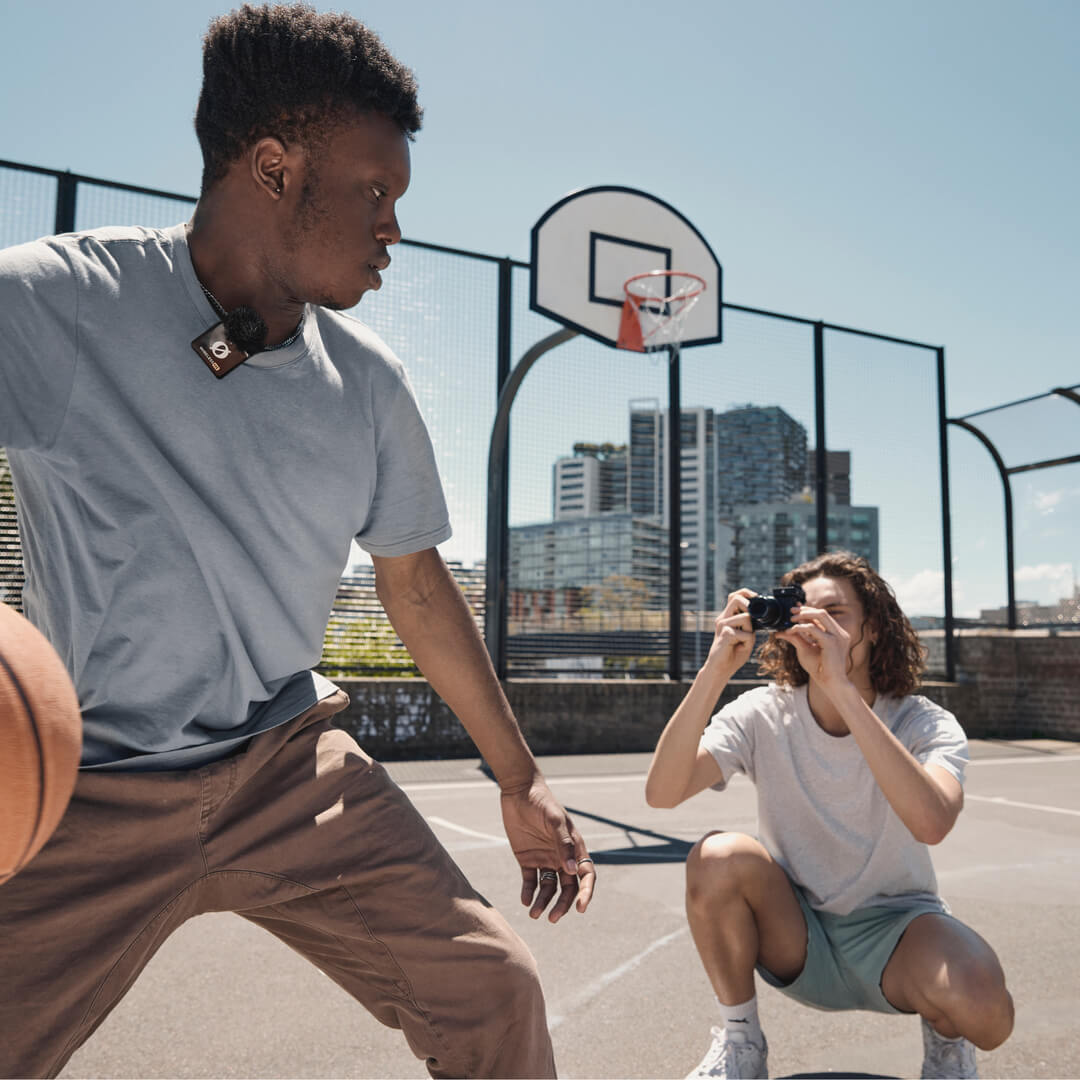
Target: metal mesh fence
27 206
1034 448
978 530
759 385
438 312
1047 549
99 205
881 402
588 592
1030 432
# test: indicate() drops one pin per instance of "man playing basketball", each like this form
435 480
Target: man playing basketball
183 539
836 903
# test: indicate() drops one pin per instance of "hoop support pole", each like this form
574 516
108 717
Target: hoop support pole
498 536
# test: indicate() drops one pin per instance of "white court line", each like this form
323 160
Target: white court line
468 832
599 985
1000 800
492 840
997 869
422 786
592 839
1032 760
447 785
630 778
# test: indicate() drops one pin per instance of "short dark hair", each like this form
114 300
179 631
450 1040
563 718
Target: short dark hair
897 658
287 71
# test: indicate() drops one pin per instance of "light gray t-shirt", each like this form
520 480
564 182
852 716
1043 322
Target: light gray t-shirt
184 536
821 814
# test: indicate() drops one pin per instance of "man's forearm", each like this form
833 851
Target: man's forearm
913 793
435 624
672 766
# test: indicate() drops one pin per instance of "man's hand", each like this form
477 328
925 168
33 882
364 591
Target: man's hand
822 645
551 852
733 642
429 613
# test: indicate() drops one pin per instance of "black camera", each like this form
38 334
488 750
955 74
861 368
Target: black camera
774 612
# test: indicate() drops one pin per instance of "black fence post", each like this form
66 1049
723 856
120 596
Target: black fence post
1006 490
946 518
66 189
674 502
502 367
821 484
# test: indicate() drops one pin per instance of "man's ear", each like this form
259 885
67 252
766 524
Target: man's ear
270 166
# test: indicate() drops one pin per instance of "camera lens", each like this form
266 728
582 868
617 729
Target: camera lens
764 611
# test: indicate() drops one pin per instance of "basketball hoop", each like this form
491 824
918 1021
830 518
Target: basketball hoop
655 309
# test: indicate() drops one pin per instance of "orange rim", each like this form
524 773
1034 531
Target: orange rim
664 273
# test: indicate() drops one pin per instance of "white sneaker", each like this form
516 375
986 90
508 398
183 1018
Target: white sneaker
946 1059
734 1055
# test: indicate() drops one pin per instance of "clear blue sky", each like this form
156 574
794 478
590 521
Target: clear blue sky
910 168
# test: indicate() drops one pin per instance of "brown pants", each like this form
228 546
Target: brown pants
301 833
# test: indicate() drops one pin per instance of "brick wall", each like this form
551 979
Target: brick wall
398 719
1019 684
1027 682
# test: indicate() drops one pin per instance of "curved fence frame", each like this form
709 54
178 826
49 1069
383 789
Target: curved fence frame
1069 393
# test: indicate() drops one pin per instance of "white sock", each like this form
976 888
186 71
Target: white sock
943 1038
743 1018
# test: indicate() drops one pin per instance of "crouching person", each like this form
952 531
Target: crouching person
835 902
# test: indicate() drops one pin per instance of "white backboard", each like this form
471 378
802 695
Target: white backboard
586 246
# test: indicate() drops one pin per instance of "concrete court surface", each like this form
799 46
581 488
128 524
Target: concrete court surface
626 994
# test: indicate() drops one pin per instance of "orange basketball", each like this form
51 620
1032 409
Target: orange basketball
40 741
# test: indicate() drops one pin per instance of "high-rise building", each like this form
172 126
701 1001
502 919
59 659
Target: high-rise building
704 542
746 512
647 475
592 481
837 474
772 538
761 455
552 564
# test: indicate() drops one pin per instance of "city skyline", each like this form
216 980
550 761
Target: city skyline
746 508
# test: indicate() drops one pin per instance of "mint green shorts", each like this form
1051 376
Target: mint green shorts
846 955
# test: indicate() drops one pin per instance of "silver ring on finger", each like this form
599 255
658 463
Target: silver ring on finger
549 875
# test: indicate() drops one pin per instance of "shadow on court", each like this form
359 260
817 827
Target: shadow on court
671 848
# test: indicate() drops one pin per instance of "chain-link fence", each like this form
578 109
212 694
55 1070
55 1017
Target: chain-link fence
588 594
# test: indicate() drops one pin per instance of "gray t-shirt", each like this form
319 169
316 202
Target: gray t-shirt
184 537
821 814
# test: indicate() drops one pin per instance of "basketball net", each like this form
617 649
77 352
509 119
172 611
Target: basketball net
655 309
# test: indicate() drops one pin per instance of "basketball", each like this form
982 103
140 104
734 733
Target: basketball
40 741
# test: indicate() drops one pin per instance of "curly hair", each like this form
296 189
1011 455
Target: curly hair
290 72
897 658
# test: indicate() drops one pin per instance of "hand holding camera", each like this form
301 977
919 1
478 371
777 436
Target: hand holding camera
774 612
745 613
734 640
